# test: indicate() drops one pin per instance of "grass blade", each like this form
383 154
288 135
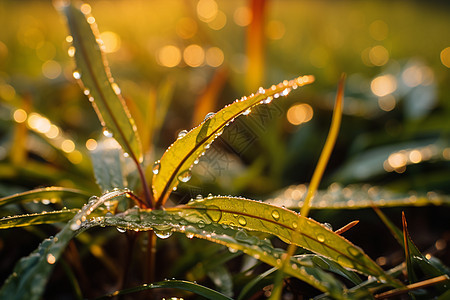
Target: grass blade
172 284
288 226
97 82
107 164
43 193
177 161
195 223
38 218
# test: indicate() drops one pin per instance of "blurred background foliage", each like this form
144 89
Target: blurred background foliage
184 59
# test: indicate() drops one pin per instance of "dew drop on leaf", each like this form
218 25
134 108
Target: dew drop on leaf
76 75
267 100
182 133
75 225
275 215
107 133
208 115
121 230
156 167
86 92
232 250
214 213
71 51
294 225
163 234
353 251
242 221
320 238
185 176
247 112
199 198
261 90
189 235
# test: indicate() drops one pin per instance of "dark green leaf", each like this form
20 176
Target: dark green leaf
43 193
38 218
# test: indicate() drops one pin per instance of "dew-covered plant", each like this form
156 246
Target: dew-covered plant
137 201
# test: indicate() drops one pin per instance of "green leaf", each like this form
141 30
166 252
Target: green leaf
252 286
97 82
173 284
107 163
43 193
290 227
196 223
176 163
354 196
38 218
31 273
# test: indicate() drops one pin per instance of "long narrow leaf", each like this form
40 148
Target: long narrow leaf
38 218
173 284
288 226
195 223
31 273
177 161
97 82
43 193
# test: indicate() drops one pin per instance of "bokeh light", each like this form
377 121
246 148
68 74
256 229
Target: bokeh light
387 103
207 10
242 16
214 57
111 41
383 85
378 55
186 28
219 21
91 144
194 55
169 56
378 30
445 57
275 30
299 113
51 69
20 115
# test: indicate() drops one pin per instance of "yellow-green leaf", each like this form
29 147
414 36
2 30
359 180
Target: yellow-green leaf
38 218
290 227
177 161
95 78
43 193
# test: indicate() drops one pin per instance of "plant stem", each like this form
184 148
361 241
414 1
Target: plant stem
147 195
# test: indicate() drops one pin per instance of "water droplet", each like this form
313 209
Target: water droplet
207 146
189 235
174 188
107 133
232 250
210 196
86 92
45 201
208 115
163 234
294 225
285 92
354 251
76 75
51 259
125 154
248 111
121 230
275 215
214 213
91 99
185 176
199 198
242 221
345 261
276 95
71 51
116 88
321 238
156 167
75 225
261 90
182 133
267 100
